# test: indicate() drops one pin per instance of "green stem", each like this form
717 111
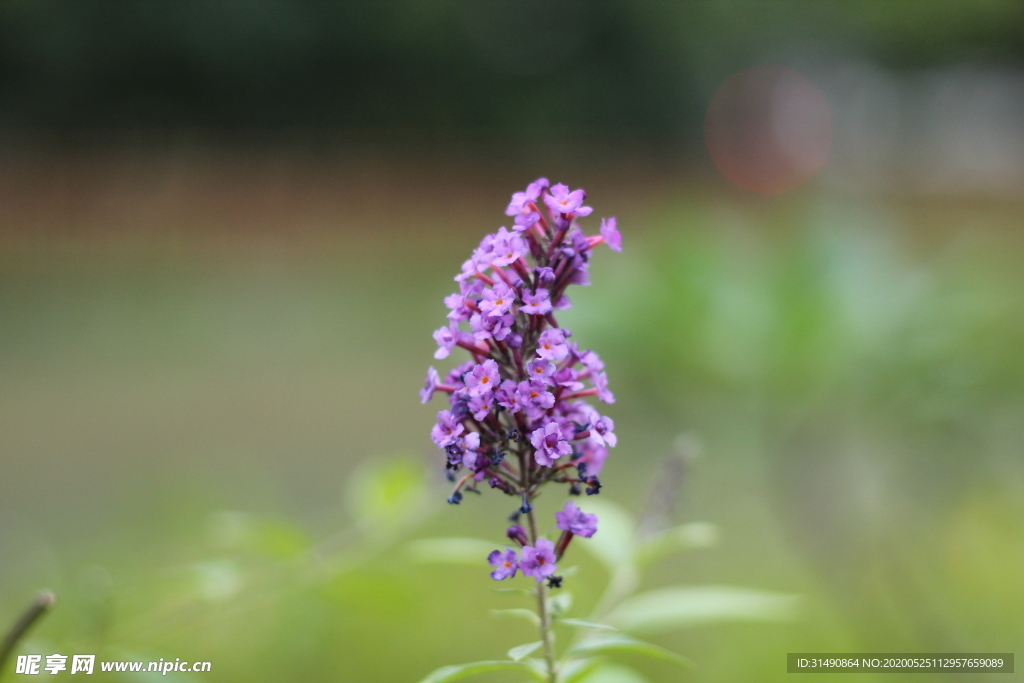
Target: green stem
542 610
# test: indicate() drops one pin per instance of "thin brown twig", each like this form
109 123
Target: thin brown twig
44 601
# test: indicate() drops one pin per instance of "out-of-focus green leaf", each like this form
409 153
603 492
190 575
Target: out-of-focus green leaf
389 492
460 671
560 603
583 623
514 591
521 651
518 613
612 673
676 539
669 608
574 670
450 550
243 532
613 544
618 642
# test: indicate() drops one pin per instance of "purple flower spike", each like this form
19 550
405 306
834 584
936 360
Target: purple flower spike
571 518
611 234
549 444
539 561
427 392
506 562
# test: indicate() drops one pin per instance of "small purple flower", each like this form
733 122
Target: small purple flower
480 405
540 369
611 234
534 395
561 200
507 398
507 248
536 303
458 305
539 561
521 200
563 303
445 338
551 345
592 361
567 377
506 562
447 429
602 431
571 518
497 301
483 379
549 444
601 382
485 327
427 392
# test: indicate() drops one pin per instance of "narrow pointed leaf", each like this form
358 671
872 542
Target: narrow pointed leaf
617 642
574 670
454 673
669 608
521 651
679 538
583 623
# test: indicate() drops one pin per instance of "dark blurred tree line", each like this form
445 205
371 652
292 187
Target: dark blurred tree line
493 67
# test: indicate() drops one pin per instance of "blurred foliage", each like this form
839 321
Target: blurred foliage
848 371
504 67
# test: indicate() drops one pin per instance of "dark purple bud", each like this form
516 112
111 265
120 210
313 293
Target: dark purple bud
518 534
518 284
554 582
455 498
593 486
581 467
545 276
514 340
513 435
525 507
514 517
574 490
449 475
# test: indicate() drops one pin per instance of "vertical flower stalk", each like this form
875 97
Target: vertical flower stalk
516 416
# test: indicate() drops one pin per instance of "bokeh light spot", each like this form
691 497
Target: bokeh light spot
768 129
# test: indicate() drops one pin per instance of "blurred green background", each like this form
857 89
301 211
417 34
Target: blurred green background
226 230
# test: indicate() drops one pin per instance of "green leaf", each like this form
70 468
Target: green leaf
459 671
583 623
560 603
617 642
389 492
669 608
518 613
573 670
450 550
521 651
613 544
683 537
613 673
